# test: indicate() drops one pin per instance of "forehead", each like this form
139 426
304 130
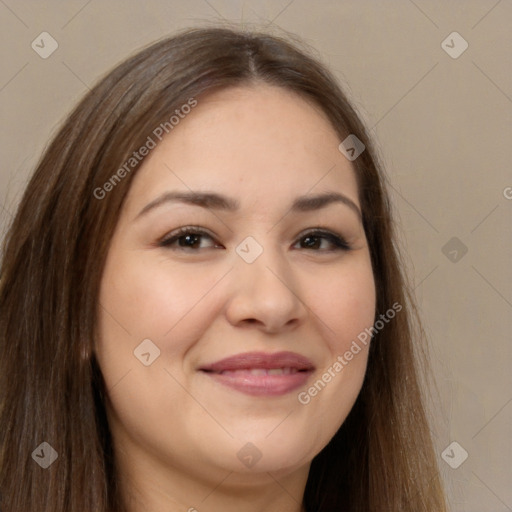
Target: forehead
257 142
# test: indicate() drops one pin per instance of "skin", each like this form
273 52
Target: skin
176 431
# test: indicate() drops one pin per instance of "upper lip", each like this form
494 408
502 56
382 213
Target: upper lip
255 360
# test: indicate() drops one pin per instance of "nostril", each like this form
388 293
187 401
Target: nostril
251 320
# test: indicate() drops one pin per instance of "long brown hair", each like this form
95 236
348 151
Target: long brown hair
381 459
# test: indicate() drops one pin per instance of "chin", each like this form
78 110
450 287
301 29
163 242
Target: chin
281 453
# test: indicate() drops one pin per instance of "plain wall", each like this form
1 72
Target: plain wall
443 129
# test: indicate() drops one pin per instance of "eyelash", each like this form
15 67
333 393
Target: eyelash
339 243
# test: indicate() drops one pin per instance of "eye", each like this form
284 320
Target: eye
190 237
187 237
313 239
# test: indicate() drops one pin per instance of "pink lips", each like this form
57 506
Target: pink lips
260 374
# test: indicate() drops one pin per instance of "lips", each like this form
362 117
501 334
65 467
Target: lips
259 374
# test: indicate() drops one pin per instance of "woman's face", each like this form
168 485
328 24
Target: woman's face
250 281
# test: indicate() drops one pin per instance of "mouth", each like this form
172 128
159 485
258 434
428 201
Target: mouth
261 374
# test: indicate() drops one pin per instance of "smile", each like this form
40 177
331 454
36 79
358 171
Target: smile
260 374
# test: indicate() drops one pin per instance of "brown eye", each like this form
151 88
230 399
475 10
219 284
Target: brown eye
186 238
313 240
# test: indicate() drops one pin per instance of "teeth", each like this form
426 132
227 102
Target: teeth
262 371
279 371
258 371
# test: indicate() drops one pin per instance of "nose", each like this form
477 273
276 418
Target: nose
266 294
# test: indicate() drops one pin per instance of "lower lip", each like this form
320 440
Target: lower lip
262 385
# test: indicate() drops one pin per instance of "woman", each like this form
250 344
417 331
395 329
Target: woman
202 305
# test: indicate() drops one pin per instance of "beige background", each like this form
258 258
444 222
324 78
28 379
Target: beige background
443 126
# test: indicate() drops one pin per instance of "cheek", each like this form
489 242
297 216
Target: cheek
345 305
150 299
146 297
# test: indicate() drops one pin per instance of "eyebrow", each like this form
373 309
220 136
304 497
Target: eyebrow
216 201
